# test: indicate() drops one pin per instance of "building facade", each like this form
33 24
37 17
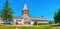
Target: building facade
25 19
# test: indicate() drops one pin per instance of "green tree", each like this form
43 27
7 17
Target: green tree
50 22
35 23
57 16
6 12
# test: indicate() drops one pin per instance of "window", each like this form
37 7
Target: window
20 20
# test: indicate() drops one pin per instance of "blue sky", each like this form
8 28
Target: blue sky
37 8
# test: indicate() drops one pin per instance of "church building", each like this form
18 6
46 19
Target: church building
25 19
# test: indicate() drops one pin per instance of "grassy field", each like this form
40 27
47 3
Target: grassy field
29 27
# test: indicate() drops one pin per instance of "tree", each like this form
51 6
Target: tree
6 12
57 16
50 22
35 23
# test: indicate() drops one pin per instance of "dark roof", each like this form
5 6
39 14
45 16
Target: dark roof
17 17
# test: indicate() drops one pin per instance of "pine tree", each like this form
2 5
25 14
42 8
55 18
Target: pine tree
6 12
57 16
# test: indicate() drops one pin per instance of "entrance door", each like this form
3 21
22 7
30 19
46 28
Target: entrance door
16 22
27 22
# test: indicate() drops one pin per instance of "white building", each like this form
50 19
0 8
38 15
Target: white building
26 20
1 21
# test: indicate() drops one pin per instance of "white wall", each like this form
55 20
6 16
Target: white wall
22 21
1 21
32 22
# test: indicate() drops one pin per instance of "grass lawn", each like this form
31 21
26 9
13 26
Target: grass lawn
28 27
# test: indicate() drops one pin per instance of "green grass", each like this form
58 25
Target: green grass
7 27
28 27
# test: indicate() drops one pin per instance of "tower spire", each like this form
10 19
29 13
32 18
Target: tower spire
25 10
25 6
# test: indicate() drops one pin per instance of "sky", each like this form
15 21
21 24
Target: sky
37 8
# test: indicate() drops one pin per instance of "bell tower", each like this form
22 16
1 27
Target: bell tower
25 11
